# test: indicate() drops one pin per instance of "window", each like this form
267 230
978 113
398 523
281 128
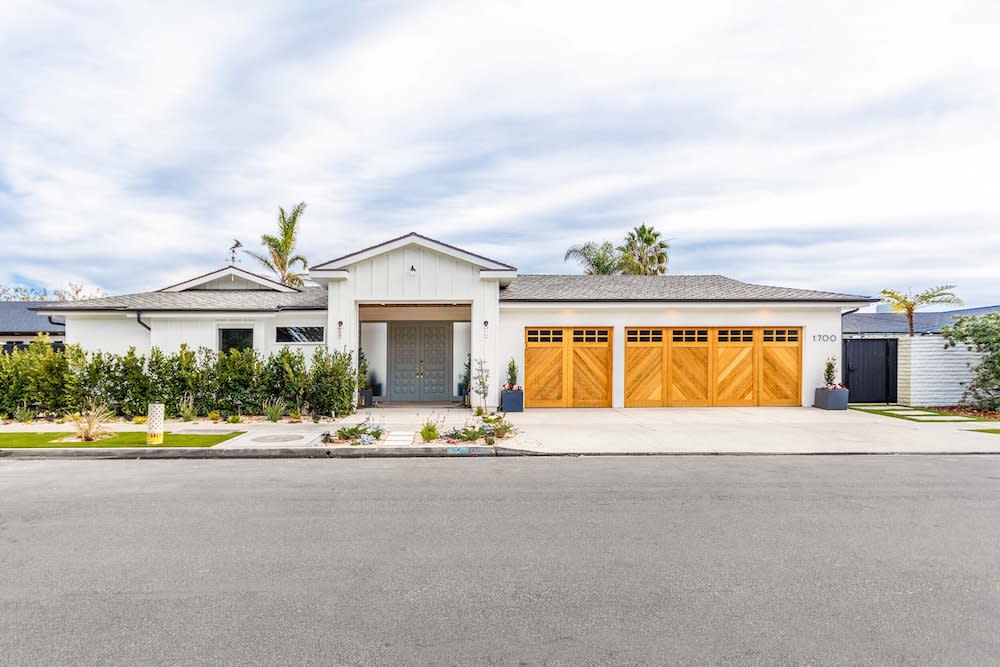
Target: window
299 335
781 335
735 335
690 335
235 339
590 335
644 335
545 335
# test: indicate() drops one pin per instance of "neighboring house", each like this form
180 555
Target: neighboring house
19 325
883 364
419 307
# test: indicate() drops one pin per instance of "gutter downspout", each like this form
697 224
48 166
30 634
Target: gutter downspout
138 318
54 323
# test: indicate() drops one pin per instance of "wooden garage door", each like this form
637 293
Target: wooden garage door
545 364
781 366
645 367
713 366
567 367
690 370
735 357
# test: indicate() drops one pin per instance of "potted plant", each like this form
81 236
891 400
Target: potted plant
365 394
834 395
512 395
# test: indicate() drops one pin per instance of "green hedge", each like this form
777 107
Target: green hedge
226 382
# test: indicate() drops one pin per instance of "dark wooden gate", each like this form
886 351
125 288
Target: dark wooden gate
870 369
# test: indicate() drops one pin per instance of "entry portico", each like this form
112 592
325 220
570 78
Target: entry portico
417 280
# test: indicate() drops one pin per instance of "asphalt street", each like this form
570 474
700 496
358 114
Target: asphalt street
641 560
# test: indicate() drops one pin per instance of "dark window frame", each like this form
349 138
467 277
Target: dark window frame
224 348
292 337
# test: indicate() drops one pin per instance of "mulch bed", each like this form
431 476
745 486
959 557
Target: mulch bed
971 412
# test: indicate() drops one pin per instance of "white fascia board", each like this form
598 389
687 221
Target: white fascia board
321 275
230 271
505 277
676 305
409 240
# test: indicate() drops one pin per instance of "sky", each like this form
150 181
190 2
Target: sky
847 146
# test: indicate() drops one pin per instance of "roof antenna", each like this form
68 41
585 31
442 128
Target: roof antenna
232 250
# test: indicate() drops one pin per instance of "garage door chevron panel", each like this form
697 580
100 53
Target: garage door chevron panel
781 367
690 367
567 367
735 376
544 368
645 366
591 377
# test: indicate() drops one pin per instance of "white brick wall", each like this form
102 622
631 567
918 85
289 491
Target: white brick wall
929 374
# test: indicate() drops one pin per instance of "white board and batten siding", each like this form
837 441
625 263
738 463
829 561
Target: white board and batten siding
929 374
436 278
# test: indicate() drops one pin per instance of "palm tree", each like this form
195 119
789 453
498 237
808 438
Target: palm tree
280 256
644 252
908 303
597 259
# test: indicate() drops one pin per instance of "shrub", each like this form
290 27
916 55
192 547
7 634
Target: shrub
980 334
285 376
365 433
24 414
512 373
234 419
186 408
331 383
274 409
91 423
140 419
214 415
429 431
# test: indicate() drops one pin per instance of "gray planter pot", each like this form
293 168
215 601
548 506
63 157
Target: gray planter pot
367 396
830 399
512 401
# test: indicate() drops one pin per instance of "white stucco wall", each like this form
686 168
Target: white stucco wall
929 374
820 330
106 333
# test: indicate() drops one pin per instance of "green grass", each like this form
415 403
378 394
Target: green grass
995 431
891 413
125 439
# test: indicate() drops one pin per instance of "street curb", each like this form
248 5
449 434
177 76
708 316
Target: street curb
504 451
246 453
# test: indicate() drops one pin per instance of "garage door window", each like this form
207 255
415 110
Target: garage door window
590 335
735 335
781 335
545 335
690 335
644 335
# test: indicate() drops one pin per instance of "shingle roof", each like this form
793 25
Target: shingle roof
657 288
17 318
923 323
309 298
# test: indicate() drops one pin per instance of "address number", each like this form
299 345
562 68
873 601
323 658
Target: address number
825 338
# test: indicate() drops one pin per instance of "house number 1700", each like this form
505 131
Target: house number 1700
825 338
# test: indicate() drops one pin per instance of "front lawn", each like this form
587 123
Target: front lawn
127 439
927 412
995 431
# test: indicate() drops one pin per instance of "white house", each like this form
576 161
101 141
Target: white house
419 307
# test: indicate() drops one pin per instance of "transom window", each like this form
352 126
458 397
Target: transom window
545 335
644 335
690 335
590 335
781 335
299 334
735 335
235 339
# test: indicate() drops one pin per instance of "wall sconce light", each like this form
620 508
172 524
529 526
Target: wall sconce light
413 270
486 328
340 328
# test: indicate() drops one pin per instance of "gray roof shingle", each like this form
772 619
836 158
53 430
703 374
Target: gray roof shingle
17 318
923 323
657 288
308 298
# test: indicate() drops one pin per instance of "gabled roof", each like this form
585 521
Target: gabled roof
895 323
229 271
225 300
17 319
667 288
412 239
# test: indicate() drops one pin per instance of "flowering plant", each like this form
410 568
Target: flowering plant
513 387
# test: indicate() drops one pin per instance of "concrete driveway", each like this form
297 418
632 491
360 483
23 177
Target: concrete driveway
740 430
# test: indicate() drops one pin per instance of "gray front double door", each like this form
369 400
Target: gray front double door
420 361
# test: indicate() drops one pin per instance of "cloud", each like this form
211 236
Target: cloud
853 147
